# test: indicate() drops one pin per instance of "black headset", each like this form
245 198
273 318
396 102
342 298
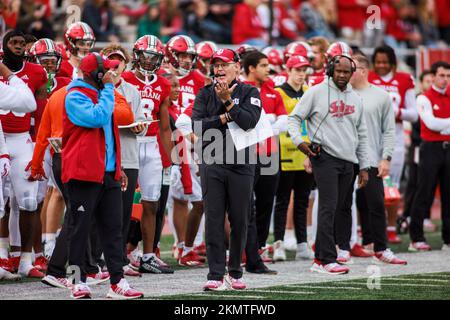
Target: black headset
236 57
334 61
99 72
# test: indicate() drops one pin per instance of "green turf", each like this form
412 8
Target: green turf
410 287
433 238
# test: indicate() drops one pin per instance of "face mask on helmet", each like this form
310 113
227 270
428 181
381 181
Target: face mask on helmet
50 63
185 62
83 47
203 64
148 62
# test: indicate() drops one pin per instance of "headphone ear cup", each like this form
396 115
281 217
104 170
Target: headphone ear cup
330 68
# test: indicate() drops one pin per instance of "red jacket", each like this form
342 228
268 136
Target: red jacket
441 110
84 149
246 24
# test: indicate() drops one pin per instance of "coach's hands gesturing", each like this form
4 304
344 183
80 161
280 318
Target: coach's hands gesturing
223 91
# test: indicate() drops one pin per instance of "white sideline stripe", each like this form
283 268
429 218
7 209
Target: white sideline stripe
428 276
281 291
383 283
230 296
321 287
416 279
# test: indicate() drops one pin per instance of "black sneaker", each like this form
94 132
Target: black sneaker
261 270
152 266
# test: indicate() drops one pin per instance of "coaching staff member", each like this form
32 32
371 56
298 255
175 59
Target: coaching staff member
338 135
91 170
227 186
434 157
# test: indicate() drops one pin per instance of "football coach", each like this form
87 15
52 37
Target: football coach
227 175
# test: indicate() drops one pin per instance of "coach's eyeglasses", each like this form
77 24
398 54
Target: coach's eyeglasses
222 65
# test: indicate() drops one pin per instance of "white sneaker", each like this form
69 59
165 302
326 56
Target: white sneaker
331 268
279 254
446 247
6 275
123 291
344 257
215 285
135 258
81 291
62 283
303 252
290 242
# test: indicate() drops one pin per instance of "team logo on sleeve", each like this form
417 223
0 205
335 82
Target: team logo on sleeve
255 101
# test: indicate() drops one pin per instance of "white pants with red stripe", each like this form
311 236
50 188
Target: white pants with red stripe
176 185
150 169
20 148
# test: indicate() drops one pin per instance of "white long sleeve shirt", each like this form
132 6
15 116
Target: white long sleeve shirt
16 96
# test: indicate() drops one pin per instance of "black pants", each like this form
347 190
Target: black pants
254 261
334 178
56 168
411 186
160 214
127 207
225 190
343 219
434 167
301 182
265 190
134 234
60 255
104 202
370 204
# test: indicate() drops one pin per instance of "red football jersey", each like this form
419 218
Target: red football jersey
396 87
58 83
273 106
190 86
152 95
316 78
35 77
66 69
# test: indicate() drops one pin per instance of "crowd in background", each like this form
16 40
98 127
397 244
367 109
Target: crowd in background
402 24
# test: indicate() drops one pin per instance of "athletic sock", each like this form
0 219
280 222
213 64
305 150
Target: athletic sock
391 228
25 263
4 245
147 256
15 254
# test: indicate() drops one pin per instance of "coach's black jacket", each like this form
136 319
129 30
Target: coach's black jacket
245 113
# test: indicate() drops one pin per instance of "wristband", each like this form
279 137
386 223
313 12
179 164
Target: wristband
5 156
228 103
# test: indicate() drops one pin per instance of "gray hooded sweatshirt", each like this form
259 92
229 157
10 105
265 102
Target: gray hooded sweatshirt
128 141
335 120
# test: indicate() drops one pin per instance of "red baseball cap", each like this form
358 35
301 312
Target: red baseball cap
89 63
226 55
297 62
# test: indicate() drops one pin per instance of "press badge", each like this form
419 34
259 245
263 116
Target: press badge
166 176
